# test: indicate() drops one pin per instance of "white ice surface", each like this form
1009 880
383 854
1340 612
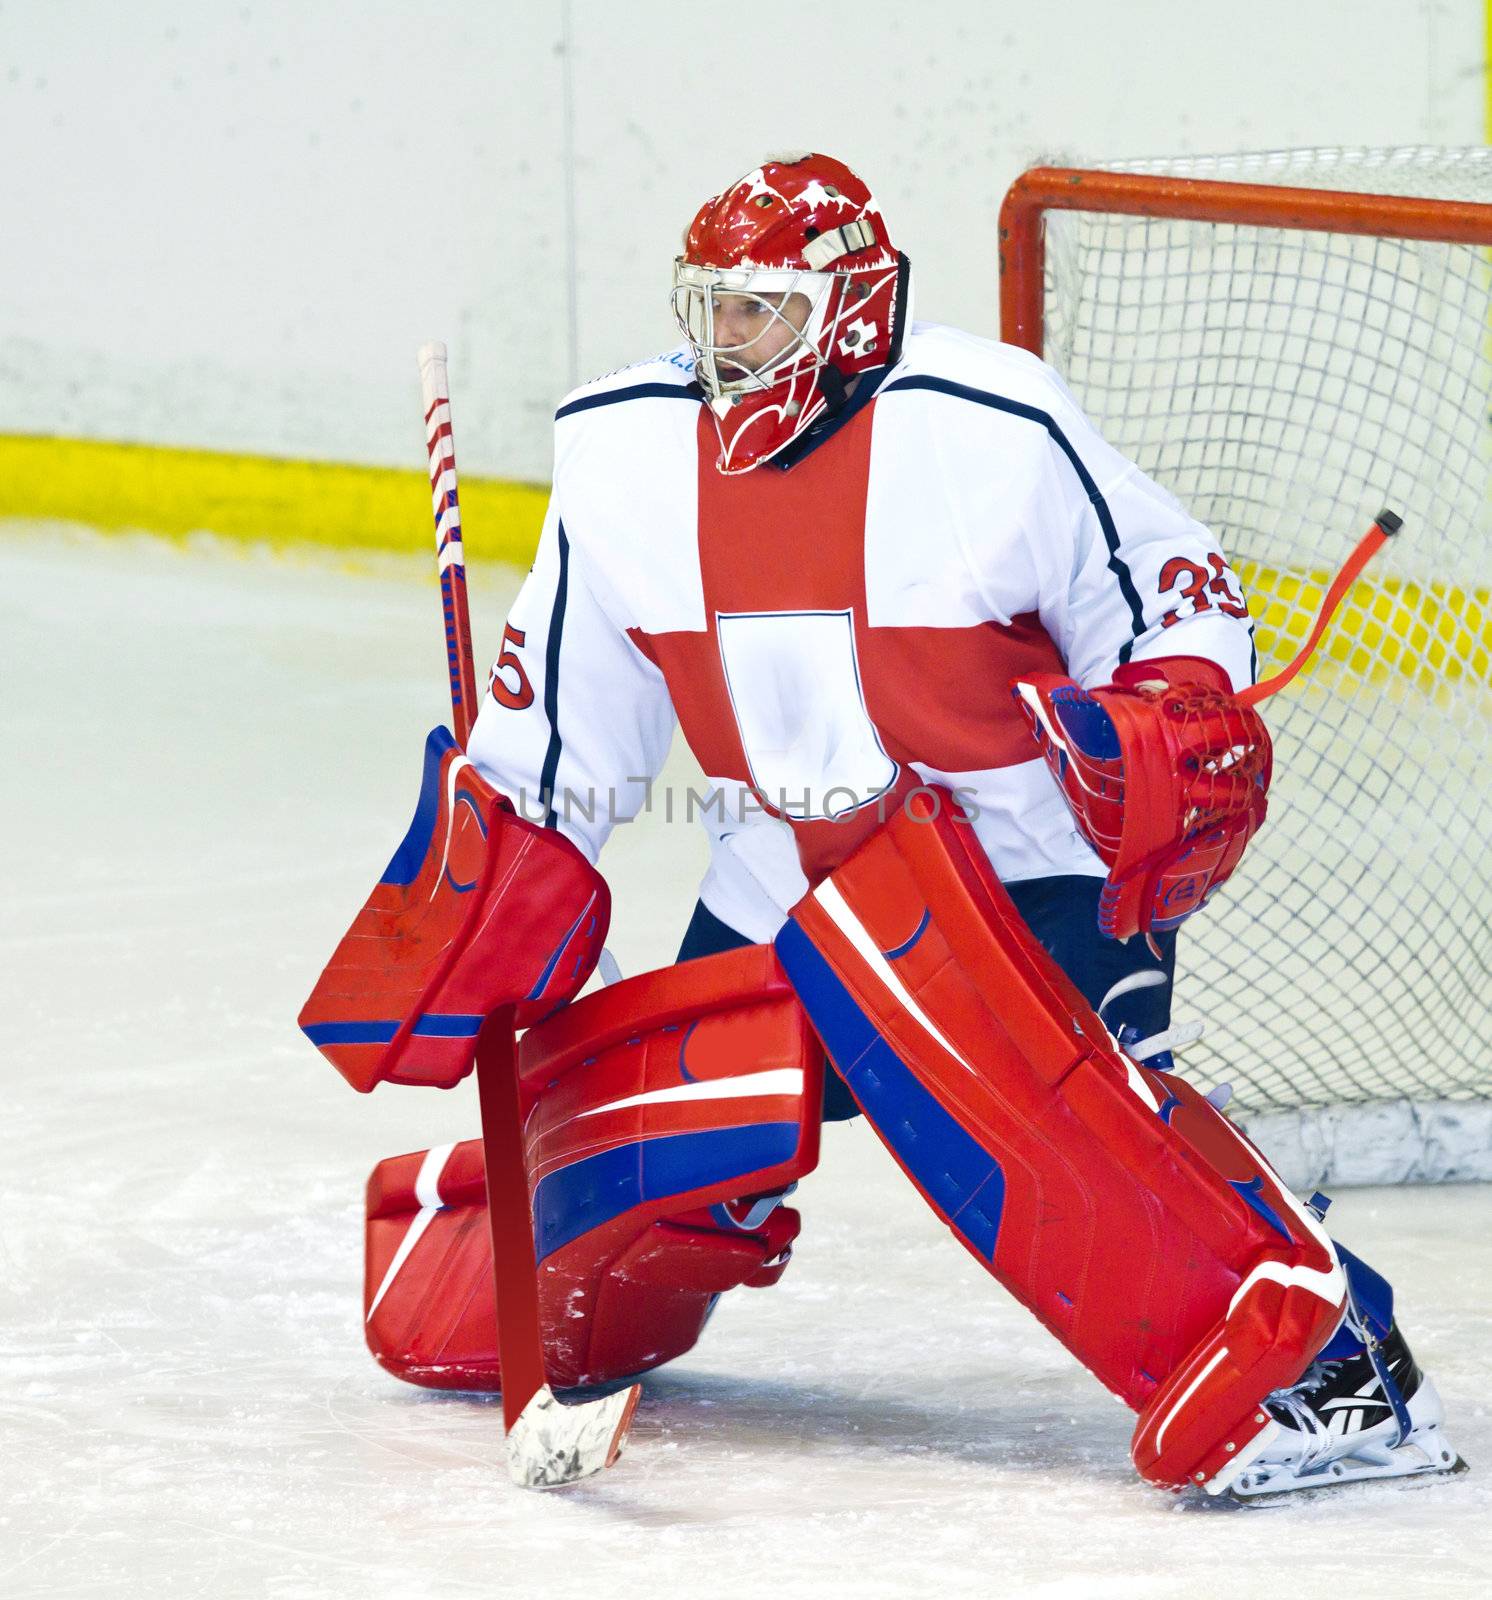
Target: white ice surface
207 757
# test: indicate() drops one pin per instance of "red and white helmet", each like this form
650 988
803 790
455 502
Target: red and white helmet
794 254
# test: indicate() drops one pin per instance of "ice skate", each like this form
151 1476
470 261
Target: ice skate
1342 1423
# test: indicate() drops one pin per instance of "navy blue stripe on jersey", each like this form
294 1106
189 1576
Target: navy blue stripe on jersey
1117 565
551 680
636 391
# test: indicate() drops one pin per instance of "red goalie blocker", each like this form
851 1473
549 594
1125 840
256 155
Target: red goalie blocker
1165 775
1115 1202
477 909
651 1109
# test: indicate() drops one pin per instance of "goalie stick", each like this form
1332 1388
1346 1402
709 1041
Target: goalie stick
1385 525
548 1443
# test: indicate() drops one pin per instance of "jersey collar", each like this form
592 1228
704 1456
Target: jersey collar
832 420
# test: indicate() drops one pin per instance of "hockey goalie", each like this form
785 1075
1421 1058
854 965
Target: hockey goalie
965 683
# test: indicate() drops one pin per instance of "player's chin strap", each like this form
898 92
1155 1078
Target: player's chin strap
1386 524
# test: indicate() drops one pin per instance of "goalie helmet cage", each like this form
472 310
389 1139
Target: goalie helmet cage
1288 341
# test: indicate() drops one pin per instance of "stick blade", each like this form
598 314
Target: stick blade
552 1444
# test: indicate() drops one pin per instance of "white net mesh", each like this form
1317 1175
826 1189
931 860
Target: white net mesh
1286 386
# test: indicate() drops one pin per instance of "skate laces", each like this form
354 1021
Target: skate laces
1316 1439
1318 1444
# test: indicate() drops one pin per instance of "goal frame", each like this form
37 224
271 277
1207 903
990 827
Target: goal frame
1262 205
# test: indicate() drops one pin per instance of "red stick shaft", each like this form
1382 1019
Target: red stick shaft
520 1348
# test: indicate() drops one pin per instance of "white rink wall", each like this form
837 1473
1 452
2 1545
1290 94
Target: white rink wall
231 225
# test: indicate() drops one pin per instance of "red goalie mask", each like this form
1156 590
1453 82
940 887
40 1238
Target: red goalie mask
788 287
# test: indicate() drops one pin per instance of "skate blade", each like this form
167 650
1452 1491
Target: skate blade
1315 1488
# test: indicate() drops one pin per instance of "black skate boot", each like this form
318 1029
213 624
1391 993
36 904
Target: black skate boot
1370 1414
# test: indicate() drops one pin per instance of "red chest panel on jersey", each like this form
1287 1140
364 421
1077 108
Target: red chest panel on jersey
774 542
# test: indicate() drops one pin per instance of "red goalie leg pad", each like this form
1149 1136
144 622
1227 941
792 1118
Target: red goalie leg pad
1283 1311
650 1105
1114 1202
1198 1424
477 909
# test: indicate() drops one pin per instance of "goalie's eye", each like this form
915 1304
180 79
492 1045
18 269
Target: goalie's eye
758 307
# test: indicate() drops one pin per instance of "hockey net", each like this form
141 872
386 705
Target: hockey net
1287 373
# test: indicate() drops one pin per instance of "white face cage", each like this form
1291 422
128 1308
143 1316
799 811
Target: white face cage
763 298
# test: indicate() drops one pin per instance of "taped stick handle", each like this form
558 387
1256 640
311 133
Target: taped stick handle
450 556
1384 527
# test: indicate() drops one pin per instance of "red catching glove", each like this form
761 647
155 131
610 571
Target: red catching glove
1165 775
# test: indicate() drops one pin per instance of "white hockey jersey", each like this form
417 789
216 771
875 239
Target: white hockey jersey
831 632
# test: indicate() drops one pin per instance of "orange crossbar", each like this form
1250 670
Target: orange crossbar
1264 205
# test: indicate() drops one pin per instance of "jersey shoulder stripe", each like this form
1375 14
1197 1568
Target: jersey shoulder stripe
635 391
666 377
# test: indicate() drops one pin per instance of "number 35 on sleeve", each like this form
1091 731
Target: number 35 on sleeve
1195 584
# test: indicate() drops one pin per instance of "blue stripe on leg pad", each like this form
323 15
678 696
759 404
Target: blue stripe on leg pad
588 1193
906 944
961 1177
1253 1192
